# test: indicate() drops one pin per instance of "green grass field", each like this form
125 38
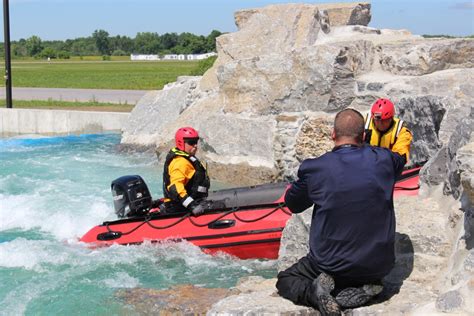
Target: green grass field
93 73
65 105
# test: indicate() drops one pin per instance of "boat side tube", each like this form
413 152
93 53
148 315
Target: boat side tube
251 196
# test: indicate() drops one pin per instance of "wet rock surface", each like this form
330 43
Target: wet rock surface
182 300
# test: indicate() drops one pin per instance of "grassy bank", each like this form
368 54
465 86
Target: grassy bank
93 73
74 106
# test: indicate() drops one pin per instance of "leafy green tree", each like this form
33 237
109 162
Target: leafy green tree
147 43
34 45
63 54
169 40
100 43
84 46
190 44
121 43
48 52
211 41
101 39
119 52
19 48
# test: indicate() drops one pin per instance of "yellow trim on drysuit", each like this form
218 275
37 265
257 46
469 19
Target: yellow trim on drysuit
397 138
180 170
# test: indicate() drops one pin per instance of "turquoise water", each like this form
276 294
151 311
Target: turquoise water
54 189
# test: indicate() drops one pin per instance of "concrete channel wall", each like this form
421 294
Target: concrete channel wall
58 122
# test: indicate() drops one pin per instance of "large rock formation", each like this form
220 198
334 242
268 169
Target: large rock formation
268 103
291 64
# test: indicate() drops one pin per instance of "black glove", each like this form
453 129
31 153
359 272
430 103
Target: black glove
196 208
156 203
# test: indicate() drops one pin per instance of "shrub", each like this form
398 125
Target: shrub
63 55
119 52
203 66
47 52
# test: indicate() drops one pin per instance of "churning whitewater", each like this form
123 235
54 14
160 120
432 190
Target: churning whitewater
52 190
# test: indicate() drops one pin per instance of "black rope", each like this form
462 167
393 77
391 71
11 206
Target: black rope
279 207
407 189
214 220
129 232
167 226
233 210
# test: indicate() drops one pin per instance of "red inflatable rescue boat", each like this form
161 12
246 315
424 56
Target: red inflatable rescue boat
245 222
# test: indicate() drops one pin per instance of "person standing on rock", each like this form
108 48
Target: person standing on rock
185 180
352 232
383 129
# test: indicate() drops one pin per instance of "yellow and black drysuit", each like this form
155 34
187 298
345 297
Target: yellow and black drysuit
397 138
185 181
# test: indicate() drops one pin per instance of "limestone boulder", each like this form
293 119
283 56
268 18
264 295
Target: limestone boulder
420 57
337 14
321 78
147 122
304 61
465 163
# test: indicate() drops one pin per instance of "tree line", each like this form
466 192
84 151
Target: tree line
101 43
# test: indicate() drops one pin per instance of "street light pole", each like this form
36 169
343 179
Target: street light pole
8 68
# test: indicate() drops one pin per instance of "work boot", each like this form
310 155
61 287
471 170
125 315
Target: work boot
352 297
326 304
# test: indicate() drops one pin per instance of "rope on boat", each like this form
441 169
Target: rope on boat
232 211
407 189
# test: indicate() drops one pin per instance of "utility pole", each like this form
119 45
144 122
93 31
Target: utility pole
8 67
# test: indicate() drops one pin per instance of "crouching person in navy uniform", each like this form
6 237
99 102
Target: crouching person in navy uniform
185 180
352 231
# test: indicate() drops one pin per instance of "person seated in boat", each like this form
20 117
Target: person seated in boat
352 233
185 180
383 129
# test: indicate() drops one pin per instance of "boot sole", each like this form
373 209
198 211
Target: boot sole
355 297
327 304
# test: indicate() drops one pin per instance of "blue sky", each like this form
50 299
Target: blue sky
63 19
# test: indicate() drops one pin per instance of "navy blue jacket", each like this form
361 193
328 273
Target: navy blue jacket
353 225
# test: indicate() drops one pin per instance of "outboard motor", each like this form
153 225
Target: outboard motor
131 196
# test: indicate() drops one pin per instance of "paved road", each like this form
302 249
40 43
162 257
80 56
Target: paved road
81 95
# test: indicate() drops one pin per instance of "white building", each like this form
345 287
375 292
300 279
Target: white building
200 56
144 57
172 56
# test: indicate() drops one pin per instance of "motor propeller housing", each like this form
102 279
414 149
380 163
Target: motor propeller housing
131 196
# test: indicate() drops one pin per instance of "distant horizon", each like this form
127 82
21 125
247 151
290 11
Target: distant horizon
70 19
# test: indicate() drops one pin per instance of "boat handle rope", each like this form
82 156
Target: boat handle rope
233 210
126 233
279 207
147 221
214 220
407 189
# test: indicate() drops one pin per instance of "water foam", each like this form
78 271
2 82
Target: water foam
51 192
121 280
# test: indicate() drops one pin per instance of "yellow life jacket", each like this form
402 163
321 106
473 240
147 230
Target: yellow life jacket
387 139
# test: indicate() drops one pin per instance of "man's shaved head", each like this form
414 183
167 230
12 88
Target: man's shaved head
349 123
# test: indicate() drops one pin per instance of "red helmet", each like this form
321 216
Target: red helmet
383 109
184 133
